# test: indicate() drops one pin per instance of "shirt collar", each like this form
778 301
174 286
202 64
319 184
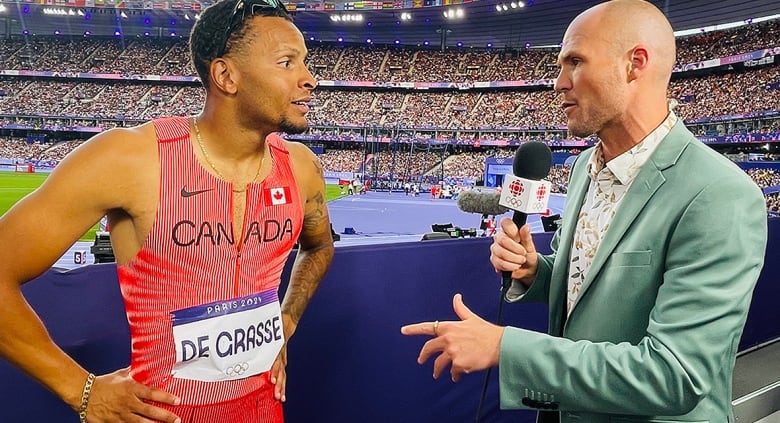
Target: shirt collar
626 166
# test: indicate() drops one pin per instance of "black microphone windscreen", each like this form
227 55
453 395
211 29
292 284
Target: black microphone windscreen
532 161
481 203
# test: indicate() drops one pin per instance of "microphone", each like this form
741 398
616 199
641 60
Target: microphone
525 192
473 201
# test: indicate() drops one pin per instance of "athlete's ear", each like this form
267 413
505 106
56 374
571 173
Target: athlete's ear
224 74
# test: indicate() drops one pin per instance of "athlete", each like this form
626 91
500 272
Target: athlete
203 212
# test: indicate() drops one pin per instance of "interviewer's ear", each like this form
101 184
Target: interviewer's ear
640 57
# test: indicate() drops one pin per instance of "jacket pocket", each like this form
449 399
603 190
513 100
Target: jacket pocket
631 258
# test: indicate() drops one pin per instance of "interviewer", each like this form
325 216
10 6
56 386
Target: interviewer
653 269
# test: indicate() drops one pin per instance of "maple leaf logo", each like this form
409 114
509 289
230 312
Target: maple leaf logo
278 196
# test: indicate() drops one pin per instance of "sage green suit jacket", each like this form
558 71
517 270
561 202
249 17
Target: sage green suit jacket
653 335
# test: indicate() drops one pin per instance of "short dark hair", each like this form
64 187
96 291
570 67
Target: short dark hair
207 37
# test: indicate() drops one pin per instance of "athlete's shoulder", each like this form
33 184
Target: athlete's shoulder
299 151
112 170
116 153
307 168
125 137
117 143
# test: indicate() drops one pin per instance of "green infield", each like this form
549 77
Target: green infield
14 186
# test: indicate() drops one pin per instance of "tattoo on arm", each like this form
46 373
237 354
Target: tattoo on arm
308 270
318 167
315 204
314 256
314 217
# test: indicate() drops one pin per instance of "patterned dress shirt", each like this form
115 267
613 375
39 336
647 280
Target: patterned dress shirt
608 184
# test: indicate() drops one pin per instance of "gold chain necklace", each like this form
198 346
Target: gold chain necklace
214 168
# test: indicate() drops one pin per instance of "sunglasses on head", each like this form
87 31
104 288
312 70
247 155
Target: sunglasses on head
244 8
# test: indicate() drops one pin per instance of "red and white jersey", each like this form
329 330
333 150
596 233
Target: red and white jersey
192 256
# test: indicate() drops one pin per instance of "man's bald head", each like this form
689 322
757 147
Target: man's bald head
616 61
625 24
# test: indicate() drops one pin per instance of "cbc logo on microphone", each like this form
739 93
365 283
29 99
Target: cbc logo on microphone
525 195
516 188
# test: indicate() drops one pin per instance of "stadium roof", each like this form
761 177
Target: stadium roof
539 23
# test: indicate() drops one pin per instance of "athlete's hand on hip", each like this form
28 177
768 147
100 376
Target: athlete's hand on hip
279 374
116 397
279 368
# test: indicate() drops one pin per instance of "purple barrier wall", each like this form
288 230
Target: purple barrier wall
348 361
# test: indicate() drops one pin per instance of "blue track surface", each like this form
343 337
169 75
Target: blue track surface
381 217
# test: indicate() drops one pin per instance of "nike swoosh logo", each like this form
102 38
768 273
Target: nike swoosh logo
185 193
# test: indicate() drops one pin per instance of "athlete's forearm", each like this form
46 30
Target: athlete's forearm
315 250
309 268
26 344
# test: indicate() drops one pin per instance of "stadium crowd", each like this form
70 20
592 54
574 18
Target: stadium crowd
744 39
137 99
766 178
425 122
773 204
169 56
699 97
21 150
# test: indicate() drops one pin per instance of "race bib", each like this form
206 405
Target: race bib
227 340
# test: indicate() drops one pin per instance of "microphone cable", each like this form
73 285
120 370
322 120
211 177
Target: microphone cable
504 289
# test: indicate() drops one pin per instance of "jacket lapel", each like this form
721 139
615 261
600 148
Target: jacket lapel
649 179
